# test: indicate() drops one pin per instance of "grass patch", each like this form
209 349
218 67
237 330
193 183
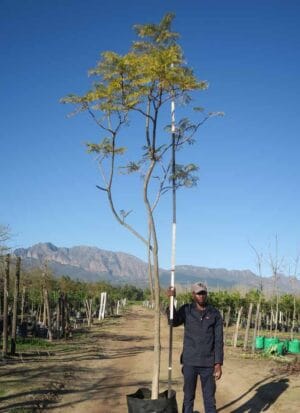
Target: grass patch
30 343
33 343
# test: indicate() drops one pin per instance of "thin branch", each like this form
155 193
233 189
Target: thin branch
161 189
97 122
101 188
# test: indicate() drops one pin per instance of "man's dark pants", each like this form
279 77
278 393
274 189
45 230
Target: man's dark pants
190 374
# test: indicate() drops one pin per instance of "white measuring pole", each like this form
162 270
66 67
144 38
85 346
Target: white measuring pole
173 249
104 305
100 309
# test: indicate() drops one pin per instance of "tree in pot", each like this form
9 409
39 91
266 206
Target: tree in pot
140 84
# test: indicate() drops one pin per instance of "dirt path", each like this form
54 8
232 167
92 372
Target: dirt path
115 359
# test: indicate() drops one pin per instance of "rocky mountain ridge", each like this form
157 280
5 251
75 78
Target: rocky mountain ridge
94 264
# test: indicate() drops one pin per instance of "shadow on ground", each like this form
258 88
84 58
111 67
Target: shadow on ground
265 395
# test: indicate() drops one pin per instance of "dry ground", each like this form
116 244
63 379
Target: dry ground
115 358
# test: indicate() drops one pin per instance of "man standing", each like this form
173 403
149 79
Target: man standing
202 353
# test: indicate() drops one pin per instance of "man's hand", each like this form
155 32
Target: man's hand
218 371
171 292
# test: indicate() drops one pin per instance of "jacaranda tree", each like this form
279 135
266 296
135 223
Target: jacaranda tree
142 82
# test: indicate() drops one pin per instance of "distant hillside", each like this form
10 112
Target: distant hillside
86 263
93 264
220 278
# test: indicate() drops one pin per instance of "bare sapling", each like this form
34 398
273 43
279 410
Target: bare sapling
15 307
88 309
259 261
227 321
5 306
47 321
256 325
276 265
293 282
248 326
237 326
22 303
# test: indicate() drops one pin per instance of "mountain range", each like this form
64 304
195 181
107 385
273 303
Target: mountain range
94 264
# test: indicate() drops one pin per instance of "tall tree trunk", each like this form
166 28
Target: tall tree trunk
227 322
276 314
23 303
150 265
63 314
259 323
44 311
48 314
255 332
88 308
39 312
66 318
58 316
5 305
237 326
294 318
271 321
156 351
15 308
248 326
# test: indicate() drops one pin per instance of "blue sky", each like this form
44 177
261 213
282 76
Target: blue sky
248 51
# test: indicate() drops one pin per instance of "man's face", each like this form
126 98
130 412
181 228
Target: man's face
200 297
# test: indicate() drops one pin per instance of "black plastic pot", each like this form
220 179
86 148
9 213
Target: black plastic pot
140 402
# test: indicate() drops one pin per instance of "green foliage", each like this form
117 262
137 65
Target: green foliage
4 237
132 293
253 296
286 303
224 299
158 33
105 148
154 70
184 175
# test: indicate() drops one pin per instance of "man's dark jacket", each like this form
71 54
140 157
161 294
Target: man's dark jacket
203 335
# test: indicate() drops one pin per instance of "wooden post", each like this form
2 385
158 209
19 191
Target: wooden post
15 308
5 306
256 327
259 323
294 317
271 321
236 333
248 326
88 308
66 317
63 314
276 315
23 303
227 320
48 313
58 316
44 321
